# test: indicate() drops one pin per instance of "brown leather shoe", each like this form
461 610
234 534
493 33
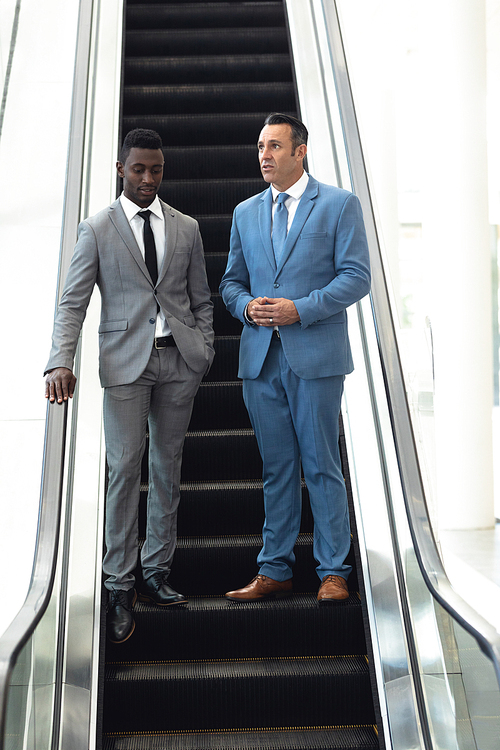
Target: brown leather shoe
261 587
333 589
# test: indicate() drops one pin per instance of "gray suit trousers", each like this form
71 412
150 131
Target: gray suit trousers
163 397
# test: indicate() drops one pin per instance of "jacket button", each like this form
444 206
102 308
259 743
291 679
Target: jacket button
276 286
152 320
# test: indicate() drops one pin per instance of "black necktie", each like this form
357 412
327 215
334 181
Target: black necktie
149 246
280 225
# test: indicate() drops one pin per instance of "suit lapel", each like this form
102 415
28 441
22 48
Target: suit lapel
265 215
304 208
122 226
170 218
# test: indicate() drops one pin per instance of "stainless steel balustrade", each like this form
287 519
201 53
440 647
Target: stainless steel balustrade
32 648
421 630
21 630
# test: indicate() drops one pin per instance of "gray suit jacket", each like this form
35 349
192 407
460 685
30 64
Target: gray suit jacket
107 254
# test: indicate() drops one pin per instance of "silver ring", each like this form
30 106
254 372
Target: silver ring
270 320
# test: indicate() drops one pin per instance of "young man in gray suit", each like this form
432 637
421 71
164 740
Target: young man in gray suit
155 343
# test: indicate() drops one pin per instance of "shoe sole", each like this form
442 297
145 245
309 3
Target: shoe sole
282 595
329 602
145 598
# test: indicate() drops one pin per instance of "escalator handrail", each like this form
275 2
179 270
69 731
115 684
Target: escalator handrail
50 507
45 558
419 522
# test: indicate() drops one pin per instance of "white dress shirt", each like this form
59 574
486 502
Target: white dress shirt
295 193
157 222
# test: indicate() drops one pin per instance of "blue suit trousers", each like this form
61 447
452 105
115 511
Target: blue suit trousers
296 420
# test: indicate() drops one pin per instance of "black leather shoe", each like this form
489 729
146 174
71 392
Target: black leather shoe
119 621
156 589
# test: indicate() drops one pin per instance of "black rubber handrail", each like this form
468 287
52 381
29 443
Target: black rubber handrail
45 558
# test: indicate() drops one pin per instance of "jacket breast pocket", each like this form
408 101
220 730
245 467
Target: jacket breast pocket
107 326
312 235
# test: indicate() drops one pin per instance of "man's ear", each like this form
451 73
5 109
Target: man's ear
301 151
119 168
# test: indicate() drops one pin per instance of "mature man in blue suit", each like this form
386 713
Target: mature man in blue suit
298 259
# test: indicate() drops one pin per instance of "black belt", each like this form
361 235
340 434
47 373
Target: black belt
163 341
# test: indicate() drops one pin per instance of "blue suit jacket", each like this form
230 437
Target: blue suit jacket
324 268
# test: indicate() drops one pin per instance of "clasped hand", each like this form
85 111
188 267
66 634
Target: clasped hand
265 311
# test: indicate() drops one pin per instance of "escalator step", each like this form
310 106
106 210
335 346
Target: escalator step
202 162
201 2
213 69
216 265
222 454
215 231
196 42
201 98
210 566
173 696
208 196
171 16
207 129
237 507
302 738
225 508
213 628
225 364
219 406
225 325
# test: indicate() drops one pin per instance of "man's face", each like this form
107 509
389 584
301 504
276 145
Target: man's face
279 166
142 173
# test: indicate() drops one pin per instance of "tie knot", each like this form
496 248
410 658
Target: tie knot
281 198
145 214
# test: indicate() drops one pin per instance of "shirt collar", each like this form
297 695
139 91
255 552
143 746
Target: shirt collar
294 191
132 209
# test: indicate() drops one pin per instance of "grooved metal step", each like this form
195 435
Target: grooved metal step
219 405
213 69
204 128
217 97
214 628
216 265
224 326
218 41
299 738
237 694
156 15
202 162
212 565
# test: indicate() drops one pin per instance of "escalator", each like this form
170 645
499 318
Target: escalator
279 674
214 675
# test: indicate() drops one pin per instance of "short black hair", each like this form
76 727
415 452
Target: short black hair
139 138
299 130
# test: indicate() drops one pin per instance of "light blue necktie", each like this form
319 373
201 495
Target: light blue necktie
280 225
